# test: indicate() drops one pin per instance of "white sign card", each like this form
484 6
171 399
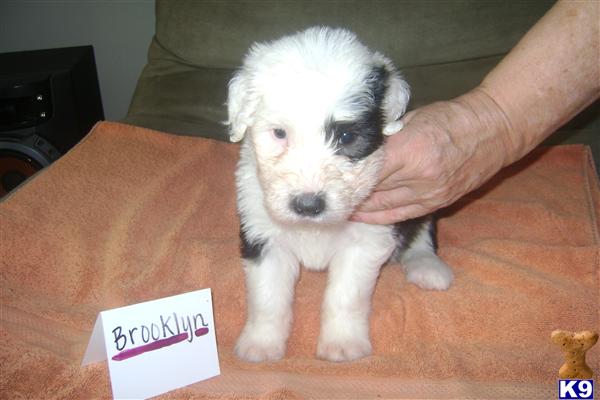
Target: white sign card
156 346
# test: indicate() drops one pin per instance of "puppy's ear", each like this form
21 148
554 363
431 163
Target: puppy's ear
395 103
241 105
396 98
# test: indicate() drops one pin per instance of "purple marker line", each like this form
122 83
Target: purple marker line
201 332
136 351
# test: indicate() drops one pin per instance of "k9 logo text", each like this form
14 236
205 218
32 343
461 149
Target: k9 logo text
575 389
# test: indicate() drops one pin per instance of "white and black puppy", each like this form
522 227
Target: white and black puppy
314 108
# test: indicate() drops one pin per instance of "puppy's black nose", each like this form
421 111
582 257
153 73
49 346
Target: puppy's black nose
308 204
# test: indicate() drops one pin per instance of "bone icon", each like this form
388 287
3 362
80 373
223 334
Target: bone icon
574 346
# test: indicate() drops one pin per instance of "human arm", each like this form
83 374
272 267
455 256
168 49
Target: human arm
450 148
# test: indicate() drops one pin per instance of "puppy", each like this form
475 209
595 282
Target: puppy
314 108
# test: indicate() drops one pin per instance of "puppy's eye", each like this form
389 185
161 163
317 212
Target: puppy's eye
279 133
346 138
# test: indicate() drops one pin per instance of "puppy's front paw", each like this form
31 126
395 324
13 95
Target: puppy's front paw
344 339
347 349
257 344
428 273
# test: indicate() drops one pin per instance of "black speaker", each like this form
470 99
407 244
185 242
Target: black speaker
49 100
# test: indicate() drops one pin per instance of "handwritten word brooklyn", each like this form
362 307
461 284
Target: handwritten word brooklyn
182 327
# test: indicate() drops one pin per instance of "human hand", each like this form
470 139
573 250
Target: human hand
444 151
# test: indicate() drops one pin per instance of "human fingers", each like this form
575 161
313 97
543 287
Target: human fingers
395 159
391 216
388 199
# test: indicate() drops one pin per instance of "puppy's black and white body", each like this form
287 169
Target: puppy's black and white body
314 108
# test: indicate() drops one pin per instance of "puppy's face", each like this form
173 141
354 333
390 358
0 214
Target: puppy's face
314 106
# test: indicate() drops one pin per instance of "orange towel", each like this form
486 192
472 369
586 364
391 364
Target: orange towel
131 215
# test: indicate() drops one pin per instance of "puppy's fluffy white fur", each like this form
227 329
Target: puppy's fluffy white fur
313 108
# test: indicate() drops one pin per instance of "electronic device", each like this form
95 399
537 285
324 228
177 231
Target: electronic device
49 100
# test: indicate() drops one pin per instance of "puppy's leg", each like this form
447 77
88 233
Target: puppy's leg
422 266
270 284
346 307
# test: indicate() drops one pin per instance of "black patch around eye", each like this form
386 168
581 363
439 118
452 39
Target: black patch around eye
366 131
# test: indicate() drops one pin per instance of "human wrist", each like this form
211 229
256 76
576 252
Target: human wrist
489 128
548 77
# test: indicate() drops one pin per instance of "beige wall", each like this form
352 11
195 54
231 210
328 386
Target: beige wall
119 30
